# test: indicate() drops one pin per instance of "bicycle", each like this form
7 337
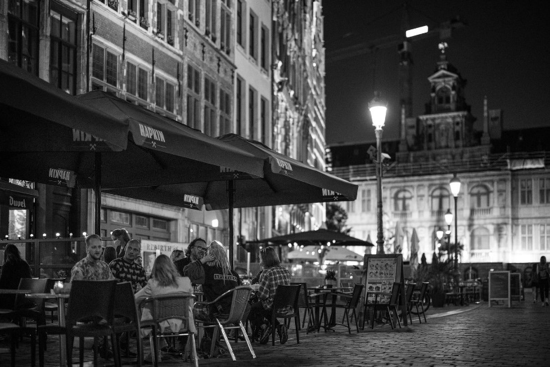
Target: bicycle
425 305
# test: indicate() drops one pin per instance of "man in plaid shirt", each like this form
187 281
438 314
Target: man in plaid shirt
271 277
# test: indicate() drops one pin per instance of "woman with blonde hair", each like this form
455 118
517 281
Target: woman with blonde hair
215 275
165 280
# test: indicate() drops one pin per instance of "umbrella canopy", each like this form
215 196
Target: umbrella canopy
333 254
414 249
318 237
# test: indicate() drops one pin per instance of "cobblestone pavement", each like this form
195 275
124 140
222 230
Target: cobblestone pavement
455 336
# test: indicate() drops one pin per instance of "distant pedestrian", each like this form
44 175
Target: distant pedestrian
535 283
121 237
543 278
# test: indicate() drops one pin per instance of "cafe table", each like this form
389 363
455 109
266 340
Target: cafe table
60 297
376 295
324 292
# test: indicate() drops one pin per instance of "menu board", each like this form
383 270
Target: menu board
381 272
515 288
499 287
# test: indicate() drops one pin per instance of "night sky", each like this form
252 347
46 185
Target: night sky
503 52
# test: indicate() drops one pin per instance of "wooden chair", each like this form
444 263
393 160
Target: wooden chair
169 307
15 331
350 305
409 292
234 320
285 306
418 302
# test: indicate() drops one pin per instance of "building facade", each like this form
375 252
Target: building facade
502 207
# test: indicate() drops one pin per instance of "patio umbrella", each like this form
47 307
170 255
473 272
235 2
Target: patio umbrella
335 254
318 237
285 181
414 249
398 239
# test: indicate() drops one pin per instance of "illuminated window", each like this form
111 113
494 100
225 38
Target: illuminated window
402 201
544 190
440 199
480 197
526 191
527 237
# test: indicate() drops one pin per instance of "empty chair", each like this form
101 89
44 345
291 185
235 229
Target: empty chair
409 297
390 307
304 302
15 330
126 315
350 305
25 307
285 306
234 320
166 311
418 302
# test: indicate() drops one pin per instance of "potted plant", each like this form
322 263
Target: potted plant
330 278
440 271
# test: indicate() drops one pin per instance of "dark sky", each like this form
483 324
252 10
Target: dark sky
503 53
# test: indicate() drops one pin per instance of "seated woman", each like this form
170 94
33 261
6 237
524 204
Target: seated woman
213 272
165 280
272 275
15 268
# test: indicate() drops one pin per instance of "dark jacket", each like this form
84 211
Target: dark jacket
182 263
12 273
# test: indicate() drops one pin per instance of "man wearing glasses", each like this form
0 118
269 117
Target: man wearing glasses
195 251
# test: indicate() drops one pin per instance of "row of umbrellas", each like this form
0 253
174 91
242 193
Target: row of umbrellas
99 141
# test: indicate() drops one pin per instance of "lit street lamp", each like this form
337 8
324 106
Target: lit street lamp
439 235
378 110
449 221
455 190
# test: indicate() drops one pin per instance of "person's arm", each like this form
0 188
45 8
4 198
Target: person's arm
195 272
76 273
113 266
263 290
143 293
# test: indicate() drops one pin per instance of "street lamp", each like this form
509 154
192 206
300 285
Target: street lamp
378 110
449 221
455 190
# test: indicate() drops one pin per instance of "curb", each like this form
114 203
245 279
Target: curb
453 312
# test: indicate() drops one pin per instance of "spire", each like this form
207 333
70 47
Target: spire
485 139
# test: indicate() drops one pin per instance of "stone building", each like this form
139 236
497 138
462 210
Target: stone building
503 203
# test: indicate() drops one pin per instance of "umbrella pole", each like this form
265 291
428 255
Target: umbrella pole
230 192
97 189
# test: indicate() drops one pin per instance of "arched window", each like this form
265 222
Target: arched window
443 96
440 199
480 197
480 239
402 201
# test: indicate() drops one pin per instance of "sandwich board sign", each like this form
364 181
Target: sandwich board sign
499 288
515 286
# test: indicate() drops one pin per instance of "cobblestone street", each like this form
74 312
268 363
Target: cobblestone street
454 336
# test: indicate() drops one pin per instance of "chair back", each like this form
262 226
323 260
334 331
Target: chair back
286 296
125 304
423 290
239 304
172 306
35 286
395 291
355 296
409 292
303 301
91 300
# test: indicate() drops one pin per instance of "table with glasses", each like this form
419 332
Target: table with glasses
61 297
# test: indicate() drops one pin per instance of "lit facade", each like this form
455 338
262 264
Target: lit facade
503 203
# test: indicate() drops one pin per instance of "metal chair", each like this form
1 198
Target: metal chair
285 306
15 330
390 307
25 307
419 301
126 315
409 292
304 302
351 304
237 313
169 307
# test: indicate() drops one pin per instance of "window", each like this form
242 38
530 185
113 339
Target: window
142 84
63 48
526 192
194 11
241 27
443 96
544 193
264 124
264 48
251 112
480 239
210 18
165 22
480 197
239 104
159 92
209 107
402 201
440 199
131 78
120 217
225 28
225 112
252 36
23 23
137 12
365 200
193 97
169 102
351 207
160 224
142 221
527 237
105 65
544 237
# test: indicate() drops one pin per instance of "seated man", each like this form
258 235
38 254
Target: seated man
272 276
92 267
126 269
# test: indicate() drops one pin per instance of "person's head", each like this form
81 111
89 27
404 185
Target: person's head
543 259
120 236
12 254
196 249
93 246
133 248
269 257
164 271
176 255
217 251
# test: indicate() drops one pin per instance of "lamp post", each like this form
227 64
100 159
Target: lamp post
449 221
378 110
439 235
455 190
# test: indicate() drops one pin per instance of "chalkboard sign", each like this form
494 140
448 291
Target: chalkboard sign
499 287
515 288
